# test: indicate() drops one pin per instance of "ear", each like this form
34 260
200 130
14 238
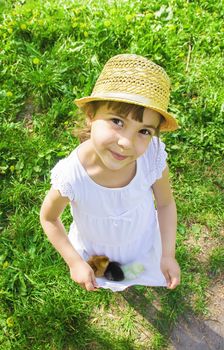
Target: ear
89 115
89 112
88 122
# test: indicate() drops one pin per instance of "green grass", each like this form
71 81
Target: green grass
51 52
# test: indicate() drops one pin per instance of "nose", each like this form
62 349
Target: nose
125 142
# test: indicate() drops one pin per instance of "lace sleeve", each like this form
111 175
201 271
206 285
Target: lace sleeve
60 179
155 159
160 160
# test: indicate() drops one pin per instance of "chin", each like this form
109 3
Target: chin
114 167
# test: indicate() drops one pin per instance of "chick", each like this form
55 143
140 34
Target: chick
99 264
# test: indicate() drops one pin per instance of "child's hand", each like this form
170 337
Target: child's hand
171 270
83 274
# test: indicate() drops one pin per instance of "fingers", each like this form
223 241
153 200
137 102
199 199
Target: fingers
95 284
171 271
90 285
84 276
172 278
173 282
168 280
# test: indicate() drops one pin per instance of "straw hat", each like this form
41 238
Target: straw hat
134 79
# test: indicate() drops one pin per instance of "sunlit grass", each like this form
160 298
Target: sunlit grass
51 52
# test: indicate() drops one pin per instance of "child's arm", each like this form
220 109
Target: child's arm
51 209
167 216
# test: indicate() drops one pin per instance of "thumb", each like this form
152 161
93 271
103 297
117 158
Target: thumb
174 283
168 279
95 284
93 278
89 286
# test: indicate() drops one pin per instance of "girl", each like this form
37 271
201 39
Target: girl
113 178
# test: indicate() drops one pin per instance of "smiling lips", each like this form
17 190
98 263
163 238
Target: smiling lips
118 156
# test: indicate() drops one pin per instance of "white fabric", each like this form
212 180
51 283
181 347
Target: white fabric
120 223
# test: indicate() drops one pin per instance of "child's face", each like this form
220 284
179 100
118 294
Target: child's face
117 140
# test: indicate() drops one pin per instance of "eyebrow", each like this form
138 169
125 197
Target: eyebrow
150 127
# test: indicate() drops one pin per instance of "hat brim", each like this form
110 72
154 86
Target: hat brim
170 123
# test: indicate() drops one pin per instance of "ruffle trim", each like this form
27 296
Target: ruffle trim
160 160
59 180
156 160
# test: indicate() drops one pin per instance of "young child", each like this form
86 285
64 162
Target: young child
112 180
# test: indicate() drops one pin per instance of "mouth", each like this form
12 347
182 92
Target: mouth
118 156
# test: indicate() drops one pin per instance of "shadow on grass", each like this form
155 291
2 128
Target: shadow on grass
170 313
187 332
61 331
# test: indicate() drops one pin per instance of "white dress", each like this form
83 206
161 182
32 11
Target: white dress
120 223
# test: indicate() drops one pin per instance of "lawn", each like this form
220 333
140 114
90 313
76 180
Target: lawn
51 53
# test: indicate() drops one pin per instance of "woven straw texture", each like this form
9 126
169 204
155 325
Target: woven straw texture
134 79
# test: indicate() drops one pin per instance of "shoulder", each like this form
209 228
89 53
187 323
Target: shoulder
155 156
66 165
156 148
64 175
154 160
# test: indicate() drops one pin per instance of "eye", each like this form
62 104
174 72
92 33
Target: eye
146 132
117 122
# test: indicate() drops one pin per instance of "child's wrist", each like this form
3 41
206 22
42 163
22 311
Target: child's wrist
168 255
72 262
169 251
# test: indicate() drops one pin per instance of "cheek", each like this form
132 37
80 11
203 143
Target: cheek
101 134
142 146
